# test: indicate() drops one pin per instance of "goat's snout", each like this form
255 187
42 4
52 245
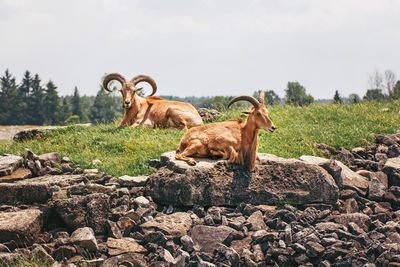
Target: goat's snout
127 102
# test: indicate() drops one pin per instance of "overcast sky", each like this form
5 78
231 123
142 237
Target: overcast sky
203 47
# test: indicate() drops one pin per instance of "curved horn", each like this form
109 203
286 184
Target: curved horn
144 78
113 76
251 99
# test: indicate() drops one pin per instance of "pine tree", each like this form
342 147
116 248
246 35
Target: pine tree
22 104
65 111
102 110
76 106
8 98
51 104
36 100
337 99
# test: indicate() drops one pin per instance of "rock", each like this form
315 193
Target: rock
89 171
22 227
351 180
18 174
27 134
86 189
113 230
64 251
208 114
239 245
92 211
142 202
350 206
257 221
228 254
41 255
314 249
176 224
9 259
53 157
126 259
218 183
123 245
96 162
206 238
9 163
84 237
187 243
133 181
25 192
376 190
360 219
392 170
166 256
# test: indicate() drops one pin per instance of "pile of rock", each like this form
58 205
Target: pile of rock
311 211
209 114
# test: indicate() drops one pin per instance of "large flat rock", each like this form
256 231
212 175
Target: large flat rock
392 170
27 193
60 180
9 163
221 183
22 227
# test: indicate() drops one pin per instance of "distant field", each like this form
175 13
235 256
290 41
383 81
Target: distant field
127 150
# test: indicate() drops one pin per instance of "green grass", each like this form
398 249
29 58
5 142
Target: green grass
127 150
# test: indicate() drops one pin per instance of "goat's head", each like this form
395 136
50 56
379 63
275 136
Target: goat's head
129 89
258 113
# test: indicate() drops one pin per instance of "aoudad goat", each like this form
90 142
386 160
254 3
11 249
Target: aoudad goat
151 111
235 140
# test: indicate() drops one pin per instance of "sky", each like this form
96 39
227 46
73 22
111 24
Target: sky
203 47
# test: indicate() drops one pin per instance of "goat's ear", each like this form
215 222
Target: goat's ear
246 113
138 89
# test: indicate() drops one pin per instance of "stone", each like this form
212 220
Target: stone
53 157
41 255
86 189
123 245
22 227
314 249
96 162
27 134
9 259
208 114
350 206
130 181
27 193
392 170
79 211
219 183
176 224
9 163
113 230
376 190
187 243
142 202
362 220
206 238
17 175
239 245
84 237
350 179
64 251
257 221
50 180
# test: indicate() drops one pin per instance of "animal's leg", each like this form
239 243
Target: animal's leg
233 155
191 149
215 153
177 119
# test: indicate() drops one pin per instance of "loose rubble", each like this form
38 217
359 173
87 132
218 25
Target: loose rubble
307 212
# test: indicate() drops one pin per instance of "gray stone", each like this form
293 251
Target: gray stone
123 245
84 237
27 193
53 156
360 219
17 175
41 255
22 227
392 170
142 202
187 243
376 190
206 238
127 180
9 163
176 224
314 249
219 183
257 221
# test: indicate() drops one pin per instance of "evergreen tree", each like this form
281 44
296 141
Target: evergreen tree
396 90
374 94
296 94
103 109
76 105
65 111
8 98
36 100
51 104
22 104
337 99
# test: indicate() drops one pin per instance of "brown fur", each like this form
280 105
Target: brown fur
152 111
235 140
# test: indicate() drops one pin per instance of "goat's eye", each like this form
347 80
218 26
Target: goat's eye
258 113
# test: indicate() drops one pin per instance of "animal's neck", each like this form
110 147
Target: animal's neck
249 144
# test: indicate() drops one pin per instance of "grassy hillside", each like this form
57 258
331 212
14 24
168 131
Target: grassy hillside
126 151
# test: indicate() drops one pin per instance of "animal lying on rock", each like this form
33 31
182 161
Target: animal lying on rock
151 111
235 140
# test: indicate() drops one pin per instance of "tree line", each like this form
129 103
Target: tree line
32 102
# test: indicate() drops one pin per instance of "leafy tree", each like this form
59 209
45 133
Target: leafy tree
8 98
51 104
103 109
270 97
296 95
374 94
337 99
354 98
396 90
76 104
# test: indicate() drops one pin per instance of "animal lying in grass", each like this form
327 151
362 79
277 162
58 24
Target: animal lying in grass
235 140
151 111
